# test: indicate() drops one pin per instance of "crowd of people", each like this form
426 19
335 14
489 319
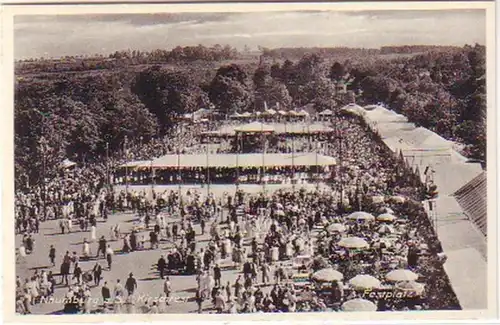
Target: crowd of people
261 236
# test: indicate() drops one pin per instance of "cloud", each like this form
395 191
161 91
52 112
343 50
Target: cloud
55 36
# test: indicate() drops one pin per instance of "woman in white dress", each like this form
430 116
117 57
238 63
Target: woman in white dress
93 234
86 249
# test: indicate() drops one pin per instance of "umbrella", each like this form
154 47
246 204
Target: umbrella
360 215
353 242
410 286
327 275
385 229
338 227
401 275
359 305
386 217
386 210
398 199
364 281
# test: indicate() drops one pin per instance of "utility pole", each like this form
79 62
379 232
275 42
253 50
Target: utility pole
126 164
108 181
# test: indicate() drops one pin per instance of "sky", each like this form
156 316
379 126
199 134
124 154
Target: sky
56 36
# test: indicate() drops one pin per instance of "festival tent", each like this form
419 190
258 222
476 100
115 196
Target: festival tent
271 111
136 164
472 197
241 160
281 112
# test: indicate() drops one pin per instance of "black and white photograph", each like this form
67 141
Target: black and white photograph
249 162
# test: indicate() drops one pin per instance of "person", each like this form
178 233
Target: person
86 249
162 264
118 289
154 308
220 304
109 256
266 271
131 284
97 271
93 235
52 255
102 247
202 225
217 275
77 273
199 300
167 289
106 293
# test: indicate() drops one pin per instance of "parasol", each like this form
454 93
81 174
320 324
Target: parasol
364 281
410 286
401 275
361 216
386 229
327 275
353 242
359 305
336 227
386 217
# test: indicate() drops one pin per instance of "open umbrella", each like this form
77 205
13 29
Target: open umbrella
361 216
386 217
386 210
353 242
410 286
364 281
336 227
386 229
401 275
359 305
327 275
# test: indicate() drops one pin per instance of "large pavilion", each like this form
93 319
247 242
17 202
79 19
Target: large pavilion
226 168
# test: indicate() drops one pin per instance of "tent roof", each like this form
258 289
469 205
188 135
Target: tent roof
136 164
279 128
254 127
242 160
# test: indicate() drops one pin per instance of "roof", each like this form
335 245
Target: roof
242 160
136 164
254 127
279 128
472 197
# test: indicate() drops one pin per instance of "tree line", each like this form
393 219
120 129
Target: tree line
80 116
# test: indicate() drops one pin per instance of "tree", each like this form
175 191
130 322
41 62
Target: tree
337 72
229 90
167 94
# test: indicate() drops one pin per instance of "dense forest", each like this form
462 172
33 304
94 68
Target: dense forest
75 107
